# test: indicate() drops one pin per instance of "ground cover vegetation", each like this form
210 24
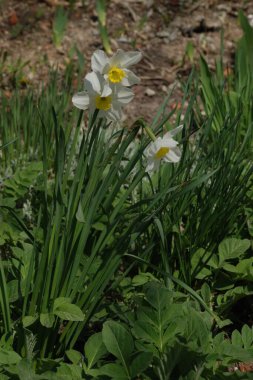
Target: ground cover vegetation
126 250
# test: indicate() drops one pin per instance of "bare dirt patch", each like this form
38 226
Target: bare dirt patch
162 30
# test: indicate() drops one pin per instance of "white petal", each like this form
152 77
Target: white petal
152 165
125 59
92 83
151 150
175 131
166 143
106 90
123 95
173 155
130 79
81 100
98 61
114 114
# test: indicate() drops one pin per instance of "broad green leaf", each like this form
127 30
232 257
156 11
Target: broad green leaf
158 297
232 248
69 372
6 341
99 226
245 267
147 332
206 293
196 328
47 319
58 302
23 370
229 268
4 377
147 347
74 356
148 315
140 363
142 278
8 357
199 263
69 312
13 290
118 341
24 255
224 281
174 329
94 349
114 371
28 320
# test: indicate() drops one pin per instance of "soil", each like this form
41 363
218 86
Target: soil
163 30
171 34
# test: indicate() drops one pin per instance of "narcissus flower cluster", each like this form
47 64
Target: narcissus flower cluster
163 149
106 88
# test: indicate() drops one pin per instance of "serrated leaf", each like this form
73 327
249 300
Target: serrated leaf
94 349
236 338
247 337
224 323
234 353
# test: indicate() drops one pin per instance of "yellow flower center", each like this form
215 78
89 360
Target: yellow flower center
103 102
115 74
162 152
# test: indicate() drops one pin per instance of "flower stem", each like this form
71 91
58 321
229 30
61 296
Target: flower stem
150 133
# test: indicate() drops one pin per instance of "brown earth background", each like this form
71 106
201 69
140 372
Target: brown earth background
163 30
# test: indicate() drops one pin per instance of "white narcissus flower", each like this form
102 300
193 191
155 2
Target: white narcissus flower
163 149
99 95
115 69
